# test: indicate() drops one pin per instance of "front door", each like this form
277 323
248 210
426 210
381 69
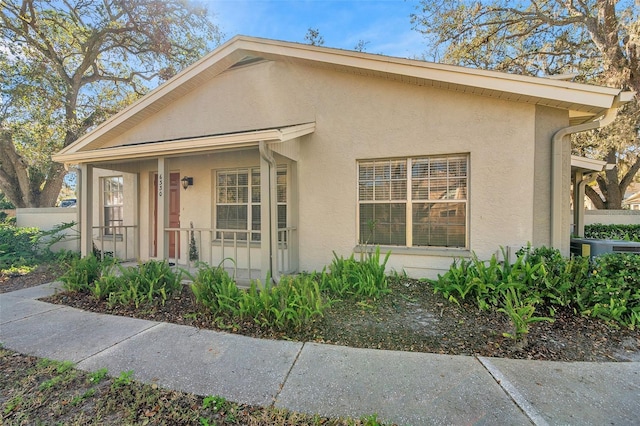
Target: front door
174 215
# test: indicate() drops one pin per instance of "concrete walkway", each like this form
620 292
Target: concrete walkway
401 387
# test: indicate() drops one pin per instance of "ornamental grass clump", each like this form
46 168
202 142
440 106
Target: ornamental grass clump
292 303
82 273
352 278
214 289
150 282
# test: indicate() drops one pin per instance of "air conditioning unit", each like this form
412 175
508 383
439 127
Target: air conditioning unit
589 247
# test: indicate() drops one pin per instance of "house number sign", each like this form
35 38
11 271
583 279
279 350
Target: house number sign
160 184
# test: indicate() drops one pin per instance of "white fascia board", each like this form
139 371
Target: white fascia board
187 146
587 164
564 91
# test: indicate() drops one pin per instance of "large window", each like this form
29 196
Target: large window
238 202
413 202
112 201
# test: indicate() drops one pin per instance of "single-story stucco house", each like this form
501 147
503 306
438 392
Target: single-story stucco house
277 154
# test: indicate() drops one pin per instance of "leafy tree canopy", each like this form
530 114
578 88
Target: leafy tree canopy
66 65
597 40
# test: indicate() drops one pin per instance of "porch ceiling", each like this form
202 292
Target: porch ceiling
188 145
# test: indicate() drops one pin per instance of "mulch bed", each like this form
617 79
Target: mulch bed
411 318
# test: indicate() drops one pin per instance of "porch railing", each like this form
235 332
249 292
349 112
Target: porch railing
238 251
118 241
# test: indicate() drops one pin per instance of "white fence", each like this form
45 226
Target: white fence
612 217
47 218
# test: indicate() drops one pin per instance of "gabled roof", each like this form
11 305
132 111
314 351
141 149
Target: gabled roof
584 102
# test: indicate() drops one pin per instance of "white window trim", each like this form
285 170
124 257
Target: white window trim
216 240
103 224
409 248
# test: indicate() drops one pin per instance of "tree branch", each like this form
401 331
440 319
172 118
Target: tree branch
594 197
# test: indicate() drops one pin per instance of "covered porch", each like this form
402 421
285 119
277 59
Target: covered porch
227 199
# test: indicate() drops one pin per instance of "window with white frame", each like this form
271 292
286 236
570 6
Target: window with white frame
113 205
414 202
238 203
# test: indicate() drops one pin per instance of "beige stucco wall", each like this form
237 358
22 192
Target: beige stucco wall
47 218
364 118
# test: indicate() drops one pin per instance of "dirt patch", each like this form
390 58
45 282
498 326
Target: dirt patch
411 318
42 275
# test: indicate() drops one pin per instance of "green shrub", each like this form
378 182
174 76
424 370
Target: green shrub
214 289
541 278
292 303
560 277
28 247
148 282
18 246
518 290
81 273
612 291
350 277
613 232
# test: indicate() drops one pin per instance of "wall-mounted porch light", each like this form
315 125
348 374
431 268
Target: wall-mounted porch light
186 182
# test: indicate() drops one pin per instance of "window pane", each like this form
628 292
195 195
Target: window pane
399 190
243 194
420 189
112 199
382 191
255 218
366 191
437 189
458 167
382 170
366 172
243 179
113 217
255 194
399 169
439 224
282 216
255 178
232 217
383 224
420 169
457 189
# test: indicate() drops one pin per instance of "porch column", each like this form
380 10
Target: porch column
135 185
163 208
268 212
265 217
86 209
580 181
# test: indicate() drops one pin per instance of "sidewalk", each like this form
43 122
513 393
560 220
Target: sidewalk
401 387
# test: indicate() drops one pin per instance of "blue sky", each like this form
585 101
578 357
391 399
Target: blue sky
384 24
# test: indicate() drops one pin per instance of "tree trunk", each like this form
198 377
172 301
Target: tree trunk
594 197
21 188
